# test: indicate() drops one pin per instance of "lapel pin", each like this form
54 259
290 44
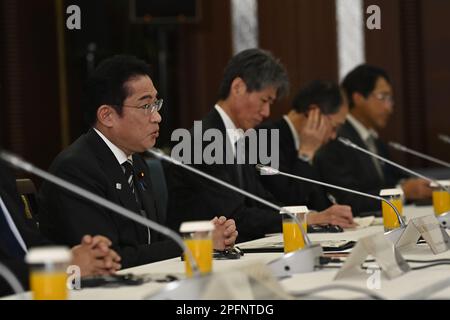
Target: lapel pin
118 186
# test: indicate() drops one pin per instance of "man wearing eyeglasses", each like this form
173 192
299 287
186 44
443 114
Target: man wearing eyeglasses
370 96
121 105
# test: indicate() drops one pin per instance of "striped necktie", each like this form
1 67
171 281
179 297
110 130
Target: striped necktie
129 175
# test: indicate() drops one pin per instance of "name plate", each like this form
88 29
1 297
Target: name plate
429 228
382 250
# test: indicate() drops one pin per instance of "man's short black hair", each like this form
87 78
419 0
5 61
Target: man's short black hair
258 69
362 79
106 85
325 94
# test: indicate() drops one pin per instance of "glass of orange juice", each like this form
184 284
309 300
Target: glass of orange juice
441 197
395 196
48 277
292 236
197 236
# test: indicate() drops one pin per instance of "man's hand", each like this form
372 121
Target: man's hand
336 215
314 134
417 189
224 234
94 257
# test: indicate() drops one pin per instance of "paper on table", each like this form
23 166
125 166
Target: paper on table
363 222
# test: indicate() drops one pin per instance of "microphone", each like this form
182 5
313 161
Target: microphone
265 170
400 147
445 138
350 144
294 262
19 163
161 155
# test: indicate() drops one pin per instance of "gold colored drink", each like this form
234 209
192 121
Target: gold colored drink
202 250
292 237
198 239
441 201
48 277
390 219
48 286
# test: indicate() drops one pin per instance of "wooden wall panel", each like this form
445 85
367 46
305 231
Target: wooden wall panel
302 34
414 50
204 50
435 15
31 116
384 49
412 46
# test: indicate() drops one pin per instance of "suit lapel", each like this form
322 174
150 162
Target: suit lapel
214 121
114 171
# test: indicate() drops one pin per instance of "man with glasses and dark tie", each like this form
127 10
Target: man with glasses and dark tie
370 95
17 235
121 105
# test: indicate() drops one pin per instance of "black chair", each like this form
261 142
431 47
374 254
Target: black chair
27 192
159 186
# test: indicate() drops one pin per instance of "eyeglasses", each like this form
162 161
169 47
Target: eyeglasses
385 97
149 108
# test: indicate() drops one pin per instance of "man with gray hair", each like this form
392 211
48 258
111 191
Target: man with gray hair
253 80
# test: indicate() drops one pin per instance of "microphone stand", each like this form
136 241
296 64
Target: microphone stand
393 235
400 147
444 219
350 144
85 194
299 261
444 138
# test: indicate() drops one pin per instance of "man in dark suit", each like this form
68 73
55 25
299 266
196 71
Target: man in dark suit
122 108
370 96
253 80
17 235
319 109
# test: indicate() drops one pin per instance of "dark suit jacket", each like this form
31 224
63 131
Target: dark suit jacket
192 197
27 229
65 217
344 166
287 190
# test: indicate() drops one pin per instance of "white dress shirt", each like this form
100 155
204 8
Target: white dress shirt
118 153
233 133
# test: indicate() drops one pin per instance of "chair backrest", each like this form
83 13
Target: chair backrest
27 192
159 186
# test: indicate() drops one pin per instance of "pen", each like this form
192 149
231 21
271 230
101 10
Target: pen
334 202
331 198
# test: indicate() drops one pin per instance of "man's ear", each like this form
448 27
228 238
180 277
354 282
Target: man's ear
105 115
238 87
358 98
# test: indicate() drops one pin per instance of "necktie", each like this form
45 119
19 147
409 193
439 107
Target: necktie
370 142
7 237
129 175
